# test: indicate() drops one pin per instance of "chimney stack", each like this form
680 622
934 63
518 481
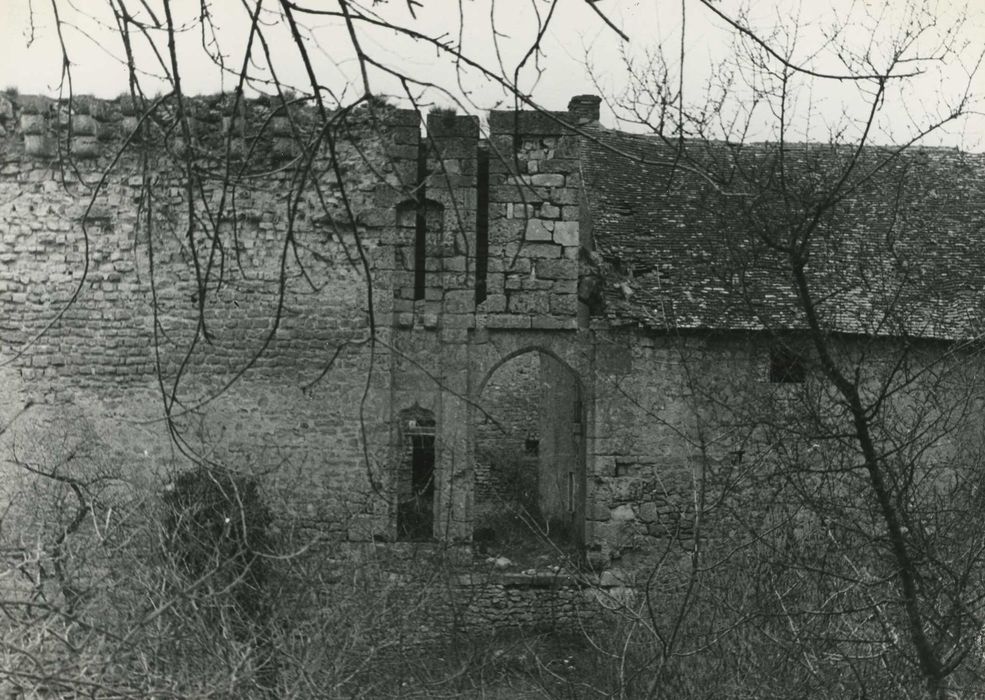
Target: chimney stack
584 108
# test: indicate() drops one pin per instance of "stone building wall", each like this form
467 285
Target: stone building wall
274 412
474 249
282 373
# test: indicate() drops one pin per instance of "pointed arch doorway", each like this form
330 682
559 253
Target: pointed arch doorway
529 492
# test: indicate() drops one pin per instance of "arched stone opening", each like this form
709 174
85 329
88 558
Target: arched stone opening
529 484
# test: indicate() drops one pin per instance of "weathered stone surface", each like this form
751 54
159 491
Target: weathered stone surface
493 303
557 269
539 230
504 321
530 303
303 402
622 513
547 180
38 145
542 250
566 233
33 123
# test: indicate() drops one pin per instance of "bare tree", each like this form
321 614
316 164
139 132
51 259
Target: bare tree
852 564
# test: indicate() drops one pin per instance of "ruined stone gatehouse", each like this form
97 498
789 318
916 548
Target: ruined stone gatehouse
461 321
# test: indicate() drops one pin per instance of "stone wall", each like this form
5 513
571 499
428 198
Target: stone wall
283 380
688 419
99 271
444 594
250 326
534 222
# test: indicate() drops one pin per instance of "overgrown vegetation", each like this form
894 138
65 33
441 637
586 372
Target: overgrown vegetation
215 529
509 522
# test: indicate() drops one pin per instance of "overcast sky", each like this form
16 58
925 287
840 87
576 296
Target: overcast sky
576 39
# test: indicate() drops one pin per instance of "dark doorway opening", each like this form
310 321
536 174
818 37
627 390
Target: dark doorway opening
415 487
529 462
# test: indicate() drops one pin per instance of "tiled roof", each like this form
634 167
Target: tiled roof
902 253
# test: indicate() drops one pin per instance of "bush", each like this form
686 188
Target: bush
216 530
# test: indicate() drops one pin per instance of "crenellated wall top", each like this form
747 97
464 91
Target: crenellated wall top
87 128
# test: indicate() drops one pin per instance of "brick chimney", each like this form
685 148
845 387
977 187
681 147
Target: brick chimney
584 108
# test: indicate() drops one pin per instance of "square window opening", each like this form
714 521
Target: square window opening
786 366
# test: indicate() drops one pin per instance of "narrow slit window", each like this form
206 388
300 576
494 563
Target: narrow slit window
415 482
482 227
421 225
571 492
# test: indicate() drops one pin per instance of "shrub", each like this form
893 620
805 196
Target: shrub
216 531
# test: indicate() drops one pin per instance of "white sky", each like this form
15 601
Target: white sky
30 59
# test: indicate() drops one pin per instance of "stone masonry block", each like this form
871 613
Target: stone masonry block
528 302
494 303
513 282
519 211
515 193
547 180
84 125
457 320
541 250
452 333
85 147
528 284
566 233
503 321
539 230
567 304
457 263
565 286
557 269
458 301
494 281
33 123
37 145
564 195
506 231
559 165
554 323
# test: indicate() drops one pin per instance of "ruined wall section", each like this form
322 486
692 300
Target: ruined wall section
534 222
99 358
433 302
47 179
